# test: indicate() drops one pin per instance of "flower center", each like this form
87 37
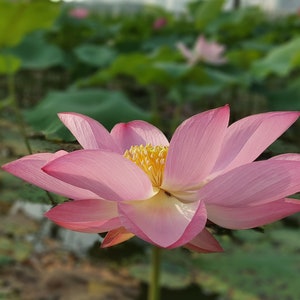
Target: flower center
151 159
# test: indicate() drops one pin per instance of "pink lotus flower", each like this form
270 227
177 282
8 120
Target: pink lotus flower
132 181
79 13
210 52
159 23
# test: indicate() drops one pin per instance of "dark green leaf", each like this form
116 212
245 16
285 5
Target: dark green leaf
93 55
207 12
108 107
287 98
36 53
173 69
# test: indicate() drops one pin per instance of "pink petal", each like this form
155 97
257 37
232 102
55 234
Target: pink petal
200 45
185 51
137 133
89 133
255 183
29 169
204 242
92 216
107 174
287 156
163 220
213 54
202 49
209 51
247 138
194 149
244 217
116 236
195 226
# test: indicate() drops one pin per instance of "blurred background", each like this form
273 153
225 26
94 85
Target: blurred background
122 60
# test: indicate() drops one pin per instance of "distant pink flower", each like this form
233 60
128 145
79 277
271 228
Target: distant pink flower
132 181
79 13
159 23
210 52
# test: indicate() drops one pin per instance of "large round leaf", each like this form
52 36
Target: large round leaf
108 107
17 18
98 56
280 61
36 53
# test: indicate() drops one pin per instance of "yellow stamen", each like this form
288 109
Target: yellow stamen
151 159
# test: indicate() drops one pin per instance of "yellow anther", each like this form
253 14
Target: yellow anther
151 159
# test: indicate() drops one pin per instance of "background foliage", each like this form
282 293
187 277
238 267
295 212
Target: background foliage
116 68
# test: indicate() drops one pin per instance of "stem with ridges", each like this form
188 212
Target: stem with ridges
154 284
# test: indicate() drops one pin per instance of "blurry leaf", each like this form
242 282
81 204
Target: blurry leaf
195 92
9 64
165 54
243 58
141 68
137 65
161 41
175 70
7 101
93 55
207 11
36 53
287 98
286 239
17 18
280 61
108 107
281 146
260 264
237 26
223 78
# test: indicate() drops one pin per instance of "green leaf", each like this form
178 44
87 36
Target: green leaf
136 65
175 70
243 58
99 56
9 64
108 107
207 11
17 18
280 61
287 98
195 92
220 77
36 53
259 266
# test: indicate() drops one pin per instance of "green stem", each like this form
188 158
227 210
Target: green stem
154 286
